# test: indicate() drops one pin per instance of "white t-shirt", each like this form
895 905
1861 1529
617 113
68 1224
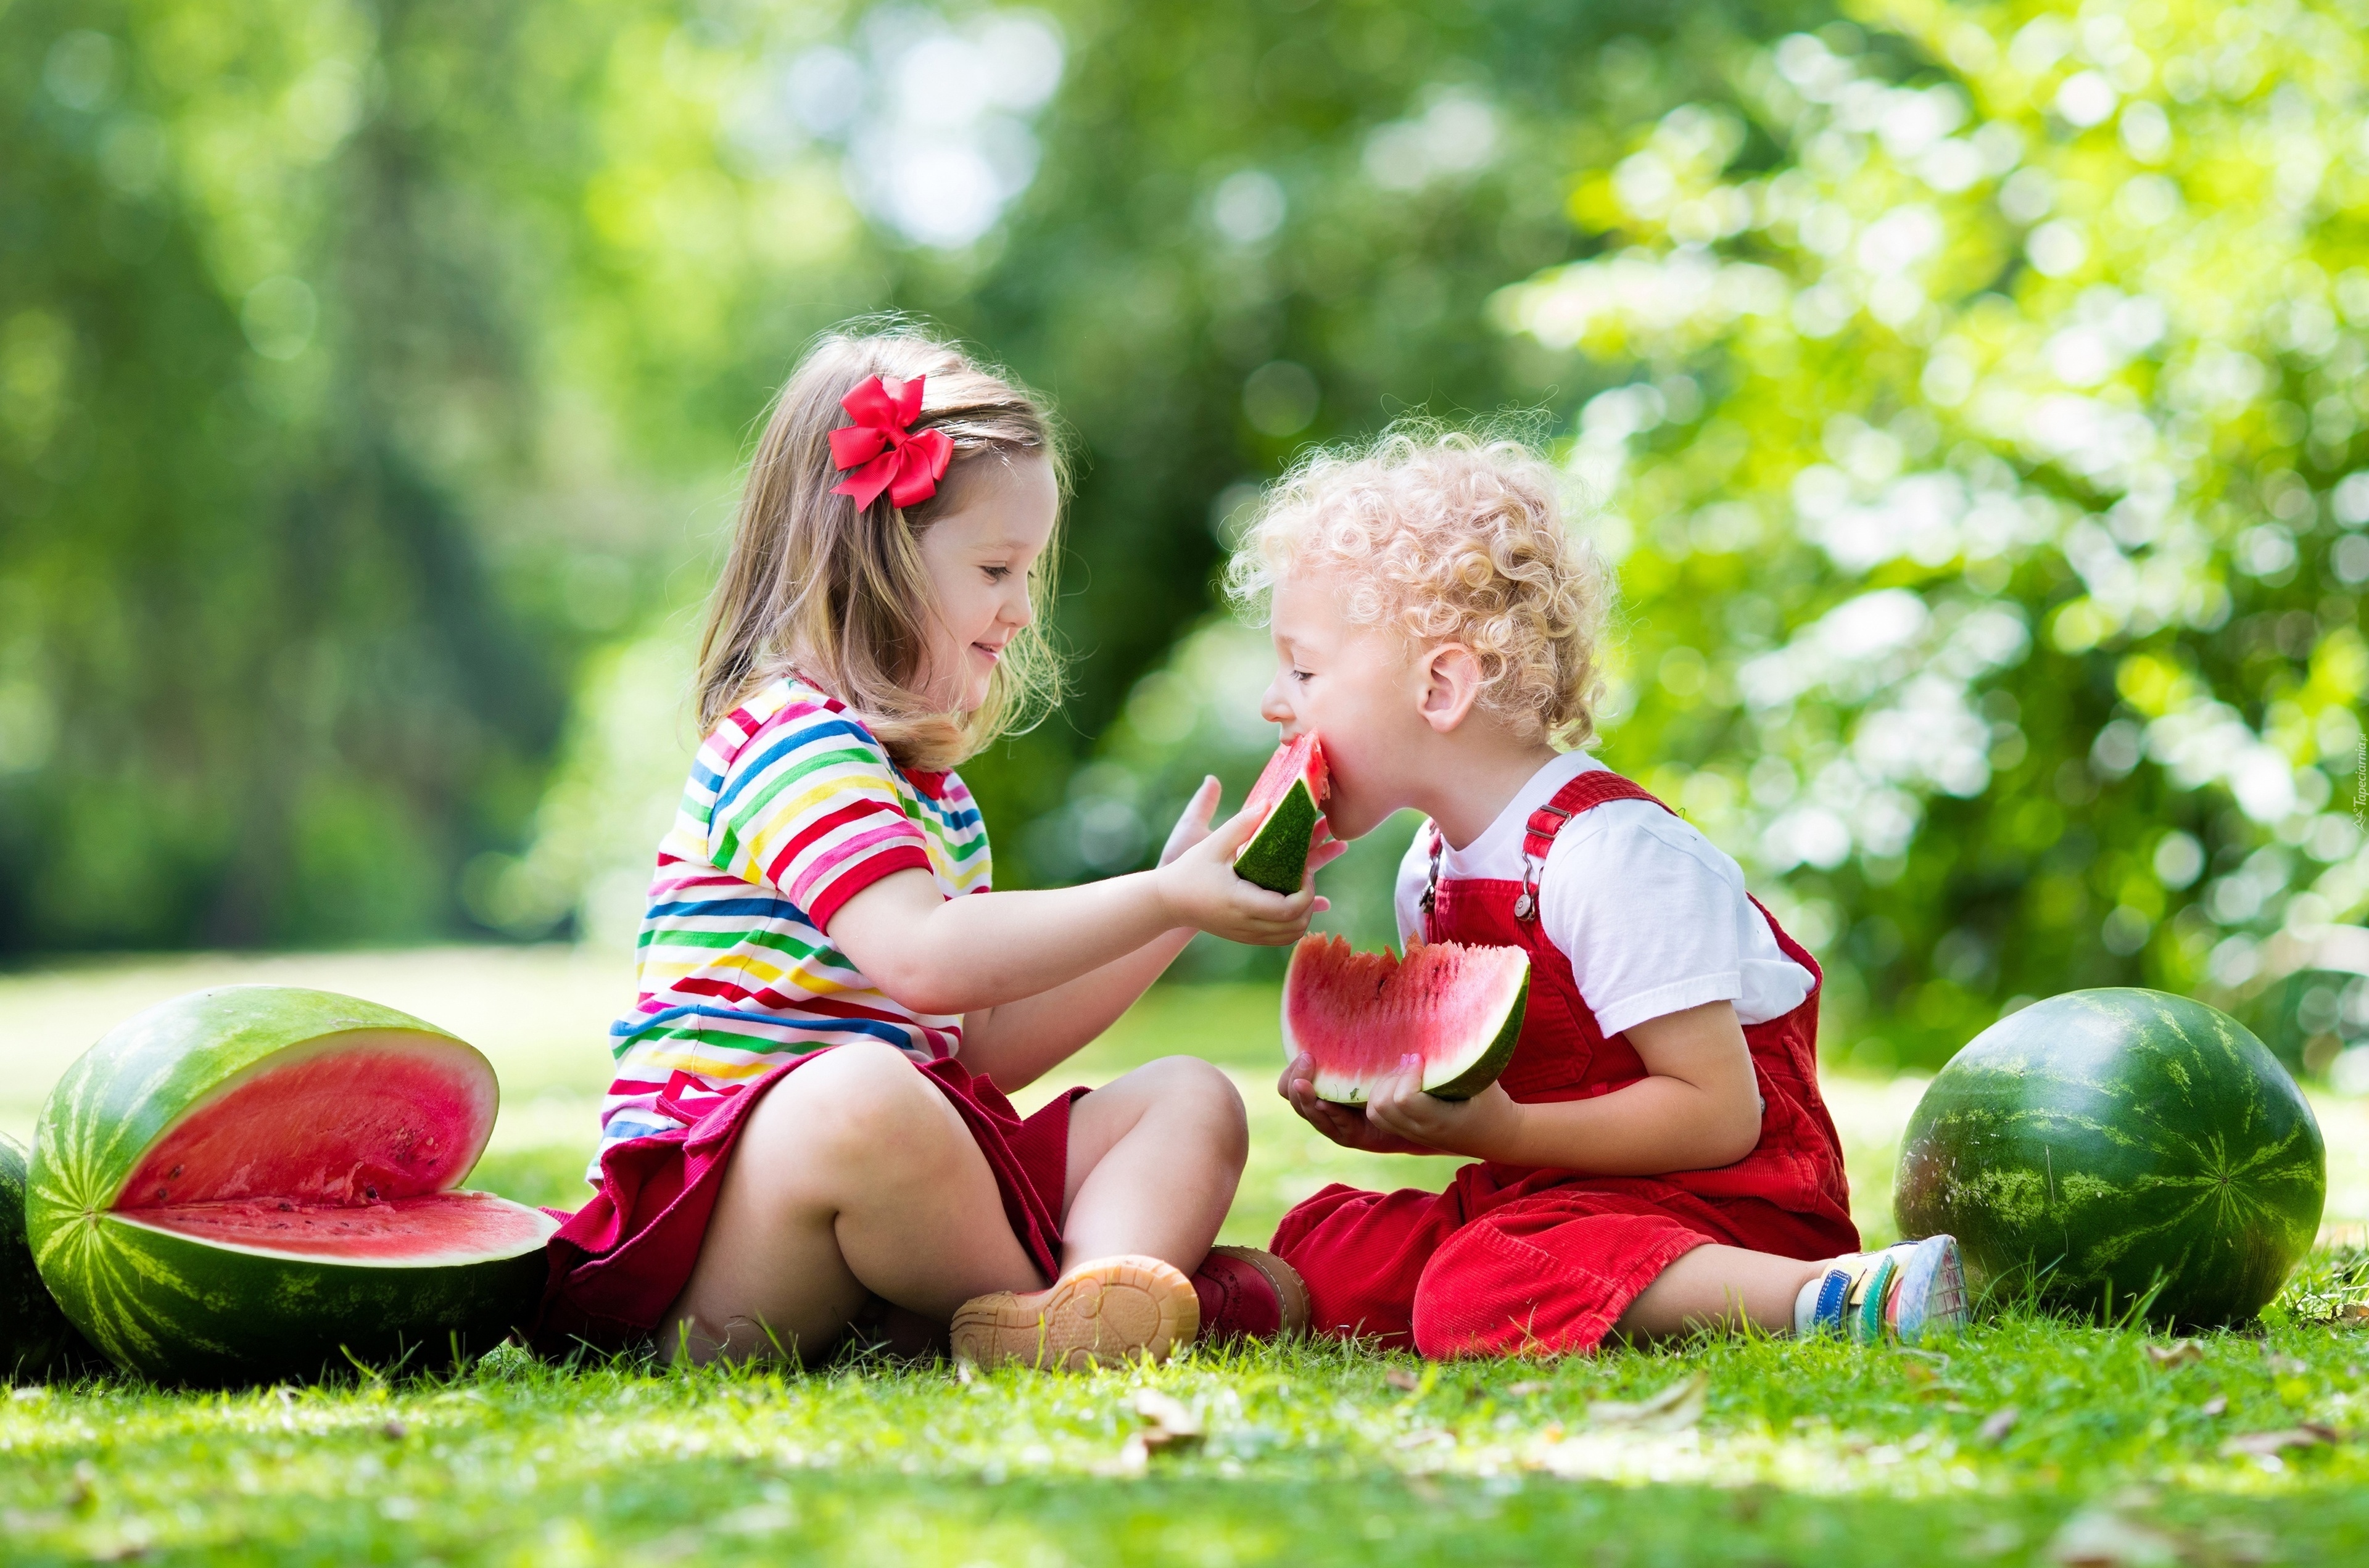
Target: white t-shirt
1652 914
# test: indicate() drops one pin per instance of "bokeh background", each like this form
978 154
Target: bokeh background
1970 397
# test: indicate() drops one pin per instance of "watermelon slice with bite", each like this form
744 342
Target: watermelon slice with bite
1289 801
1359 1014
253 1181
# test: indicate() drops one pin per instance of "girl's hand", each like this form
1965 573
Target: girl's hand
1484 1126
1344 1125
1194 825
1201 809
1200 889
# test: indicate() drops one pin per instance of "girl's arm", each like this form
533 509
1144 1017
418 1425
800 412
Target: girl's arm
1020 1041
962 955
1699 1108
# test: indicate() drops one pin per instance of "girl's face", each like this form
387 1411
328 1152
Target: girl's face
978 554
1358 688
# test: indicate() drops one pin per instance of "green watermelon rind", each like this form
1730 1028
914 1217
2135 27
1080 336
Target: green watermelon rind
127 1092
1484 1072
1276 857
179 1311
2149 1175
36 1339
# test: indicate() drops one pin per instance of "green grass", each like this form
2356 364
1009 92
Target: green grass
1802 1453
1809 1454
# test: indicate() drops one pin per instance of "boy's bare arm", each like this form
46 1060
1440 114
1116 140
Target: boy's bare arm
1699 1108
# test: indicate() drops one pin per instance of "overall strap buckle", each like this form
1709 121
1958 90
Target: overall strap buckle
1431 882
1537 840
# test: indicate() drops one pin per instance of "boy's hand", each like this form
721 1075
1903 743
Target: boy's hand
1483 1126
1196 879
1344 1125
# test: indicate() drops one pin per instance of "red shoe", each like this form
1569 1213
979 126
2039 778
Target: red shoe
1248 1293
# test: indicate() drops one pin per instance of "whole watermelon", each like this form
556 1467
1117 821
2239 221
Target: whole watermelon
36 1340
2102 1141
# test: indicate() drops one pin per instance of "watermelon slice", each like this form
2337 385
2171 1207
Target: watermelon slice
251 1182
1289 800
2105 1144
1360 1013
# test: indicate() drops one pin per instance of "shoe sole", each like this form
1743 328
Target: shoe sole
1289 1289
1104 1313
1932 1291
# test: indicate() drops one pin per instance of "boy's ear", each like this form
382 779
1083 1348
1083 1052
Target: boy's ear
1451 684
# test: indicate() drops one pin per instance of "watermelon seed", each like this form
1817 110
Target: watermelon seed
175 1173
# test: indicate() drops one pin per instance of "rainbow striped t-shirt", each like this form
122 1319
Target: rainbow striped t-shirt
791 809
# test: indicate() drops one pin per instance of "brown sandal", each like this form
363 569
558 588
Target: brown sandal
1099 1314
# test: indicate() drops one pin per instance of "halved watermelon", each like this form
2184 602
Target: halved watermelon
1290 799
242 1184
1359 1014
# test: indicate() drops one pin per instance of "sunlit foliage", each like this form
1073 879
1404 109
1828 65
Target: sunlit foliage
1987 486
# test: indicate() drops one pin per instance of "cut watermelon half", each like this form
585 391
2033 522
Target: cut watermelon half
1289 800
257 1181
1359 1014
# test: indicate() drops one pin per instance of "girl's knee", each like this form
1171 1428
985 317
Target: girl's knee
1189 1088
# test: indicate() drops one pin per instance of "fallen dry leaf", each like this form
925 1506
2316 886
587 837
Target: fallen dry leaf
395 1431
2217 1405
2304 1435
1400 1377
2283 1366
1425 1439
2096 1537
1998 1424
1170 1423
1678 1406
1524 1391
2180 1353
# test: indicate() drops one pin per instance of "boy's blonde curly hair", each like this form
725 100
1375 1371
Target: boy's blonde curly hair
1448 537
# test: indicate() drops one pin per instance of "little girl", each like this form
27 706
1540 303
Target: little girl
807 1132
1656 1157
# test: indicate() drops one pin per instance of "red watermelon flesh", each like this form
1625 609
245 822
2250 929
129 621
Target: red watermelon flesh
1288 801
348 1119
431 1229
341 1151
1359 1014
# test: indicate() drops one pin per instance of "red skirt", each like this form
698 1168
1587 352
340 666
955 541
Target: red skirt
621 1260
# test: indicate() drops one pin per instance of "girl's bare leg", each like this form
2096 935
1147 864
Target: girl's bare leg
1154 1159
1718 1287
853 1176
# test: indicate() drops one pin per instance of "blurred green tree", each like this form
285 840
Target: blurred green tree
1986 483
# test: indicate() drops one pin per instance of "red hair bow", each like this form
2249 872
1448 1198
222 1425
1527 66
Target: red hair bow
884 450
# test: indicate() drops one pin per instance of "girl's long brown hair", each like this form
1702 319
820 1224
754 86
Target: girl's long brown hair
842 594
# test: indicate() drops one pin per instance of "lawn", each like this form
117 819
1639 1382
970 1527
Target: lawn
2027 1441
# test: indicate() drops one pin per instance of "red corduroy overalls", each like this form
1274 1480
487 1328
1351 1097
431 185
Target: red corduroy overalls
1512 1260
